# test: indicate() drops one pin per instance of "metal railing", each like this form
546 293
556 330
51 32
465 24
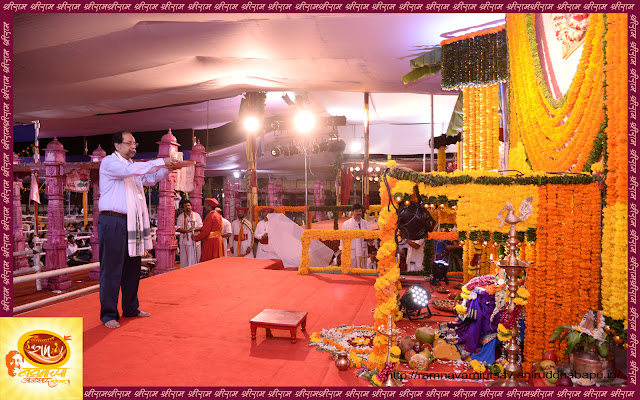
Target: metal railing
57 272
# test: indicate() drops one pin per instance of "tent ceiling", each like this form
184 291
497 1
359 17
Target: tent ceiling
90 74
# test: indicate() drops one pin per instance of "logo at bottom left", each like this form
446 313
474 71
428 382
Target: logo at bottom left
43 358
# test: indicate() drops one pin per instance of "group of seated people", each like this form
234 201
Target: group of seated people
78 250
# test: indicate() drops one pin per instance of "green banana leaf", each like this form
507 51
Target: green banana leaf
573 338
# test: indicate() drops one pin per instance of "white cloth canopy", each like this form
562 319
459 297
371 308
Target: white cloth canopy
287 246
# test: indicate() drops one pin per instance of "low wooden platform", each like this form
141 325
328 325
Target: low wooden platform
279 319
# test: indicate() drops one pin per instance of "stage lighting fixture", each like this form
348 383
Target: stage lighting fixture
294 150
251 124
288 100
371 179
324 146
414 300
357 169
236 174
377 169
370 169
315 148
376 179
356 146
358 178
286 151
351 169
304 121
276 151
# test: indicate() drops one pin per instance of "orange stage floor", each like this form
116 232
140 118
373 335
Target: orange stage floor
199 335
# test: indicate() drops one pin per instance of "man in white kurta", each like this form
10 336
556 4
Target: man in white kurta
415 255
226 231
359 247
242 239
187 224
262 235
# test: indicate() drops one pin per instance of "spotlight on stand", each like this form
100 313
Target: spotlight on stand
414 300
315 148
304 121
251 124
276 151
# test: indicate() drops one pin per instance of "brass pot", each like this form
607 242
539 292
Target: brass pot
591 365
342 361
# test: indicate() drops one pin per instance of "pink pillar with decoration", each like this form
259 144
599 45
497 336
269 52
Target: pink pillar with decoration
18 230
96 157
199 156
271 193
237 201
56 245
166 243
278 194
319 199
227 199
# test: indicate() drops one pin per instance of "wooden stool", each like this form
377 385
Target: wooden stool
279 319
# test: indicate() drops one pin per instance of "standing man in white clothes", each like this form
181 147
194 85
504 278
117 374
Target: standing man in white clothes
226 231
359 247
189 222
123 227
262 235
415 255
242 240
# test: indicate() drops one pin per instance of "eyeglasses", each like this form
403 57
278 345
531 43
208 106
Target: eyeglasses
133 144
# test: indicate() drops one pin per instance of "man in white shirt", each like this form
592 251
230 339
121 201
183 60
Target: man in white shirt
187 224
262 235
359 247
72 251
242 240
123 225
226 231
415 255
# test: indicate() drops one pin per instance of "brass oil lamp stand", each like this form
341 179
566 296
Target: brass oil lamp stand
512 268
391 334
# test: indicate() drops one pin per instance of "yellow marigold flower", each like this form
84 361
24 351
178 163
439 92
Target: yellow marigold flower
395 350
597 167
391 163
460 309
503 329
503 338
524 293
520 301
375 381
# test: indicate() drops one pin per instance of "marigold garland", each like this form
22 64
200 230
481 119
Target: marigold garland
481 128
615 232
388 282
562 267
324 234
556 139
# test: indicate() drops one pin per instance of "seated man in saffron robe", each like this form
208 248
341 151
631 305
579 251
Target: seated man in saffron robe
210 235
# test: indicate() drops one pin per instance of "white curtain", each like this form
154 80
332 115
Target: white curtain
284 242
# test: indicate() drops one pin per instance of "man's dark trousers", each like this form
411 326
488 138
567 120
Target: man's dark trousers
117 269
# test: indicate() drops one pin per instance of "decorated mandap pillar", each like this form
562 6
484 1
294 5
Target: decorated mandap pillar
227 199
96 157
278 194
318 200
199 156
271 193
166 243
56 245
18 230
237 201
